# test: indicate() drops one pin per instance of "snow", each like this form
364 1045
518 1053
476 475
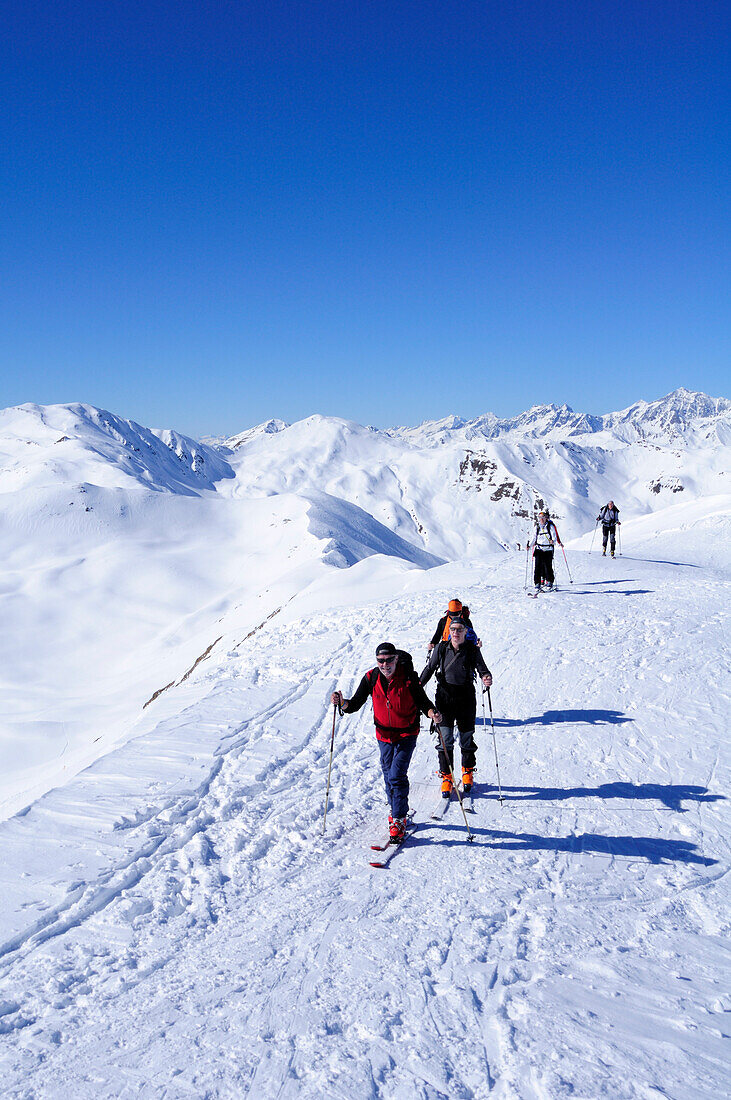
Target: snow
175 924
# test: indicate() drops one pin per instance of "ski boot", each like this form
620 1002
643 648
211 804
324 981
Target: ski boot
446 784
467 780
397 830
604 552
612 553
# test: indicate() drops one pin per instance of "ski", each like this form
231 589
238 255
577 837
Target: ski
441 808
546 588
382 845
467 799
392 849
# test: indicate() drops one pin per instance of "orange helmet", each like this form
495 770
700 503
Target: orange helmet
455 606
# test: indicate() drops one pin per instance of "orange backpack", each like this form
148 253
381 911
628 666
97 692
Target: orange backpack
464 615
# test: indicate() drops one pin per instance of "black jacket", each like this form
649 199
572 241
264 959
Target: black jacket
455 668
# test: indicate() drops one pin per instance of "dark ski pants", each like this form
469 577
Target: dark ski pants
608 532
395 760
456 708
543 566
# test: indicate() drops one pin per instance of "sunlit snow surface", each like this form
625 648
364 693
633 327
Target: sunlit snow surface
173 923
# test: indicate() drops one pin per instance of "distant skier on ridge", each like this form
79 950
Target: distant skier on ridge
609 519
545 537
455 663
398 697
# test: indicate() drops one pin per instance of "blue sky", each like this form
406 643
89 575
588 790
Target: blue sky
388 211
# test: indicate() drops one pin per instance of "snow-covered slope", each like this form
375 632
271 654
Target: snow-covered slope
123 547
174 617
175 924
52 445
119 557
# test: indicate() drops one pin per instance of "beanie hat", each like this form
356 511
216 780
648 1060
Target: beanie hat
454 606
386 649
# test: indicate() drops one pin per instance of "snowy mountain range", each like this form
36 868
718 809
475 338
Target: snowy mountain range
175 616
446 490
152 537
462 488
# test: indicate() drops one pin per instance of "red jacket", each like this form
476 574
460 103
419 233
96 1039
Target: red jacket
397 703
395 711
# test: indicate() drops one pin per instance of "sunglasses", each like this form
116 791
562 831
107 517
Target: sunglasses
386 660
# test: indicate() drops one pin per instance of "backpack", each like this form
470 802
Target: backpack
464 614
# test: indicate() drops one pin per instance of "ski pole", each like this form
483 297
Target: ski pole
330 766
494 745
593 536
571 579
470 834
527 564
619 540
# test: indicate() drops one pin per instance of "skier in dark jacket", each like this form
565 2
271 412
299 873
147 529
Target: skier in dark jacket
398 698
454 610
609 519
455 663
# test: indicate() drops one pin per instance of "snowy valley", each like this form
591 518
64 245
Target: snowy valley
176 613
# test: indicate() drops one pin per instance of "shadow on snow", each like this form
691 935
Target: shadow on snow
551 717
610 580
615 592
650 848
671 795
661 561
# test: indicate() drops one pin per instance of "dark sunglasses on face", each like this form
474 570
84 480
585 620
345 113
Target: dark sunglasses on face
385 660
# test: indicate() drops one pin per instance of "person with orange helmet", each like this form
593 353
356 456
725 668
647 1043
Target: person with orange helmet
456 610
456 664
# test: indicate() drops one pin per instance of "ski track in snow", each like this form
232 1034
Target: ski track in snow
185 930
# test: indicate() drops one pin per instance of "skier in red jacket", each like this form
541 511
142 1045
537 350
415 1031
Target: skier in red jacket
398 698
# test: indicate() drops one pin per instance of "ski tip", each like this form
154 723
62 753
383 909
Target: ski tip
381 865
